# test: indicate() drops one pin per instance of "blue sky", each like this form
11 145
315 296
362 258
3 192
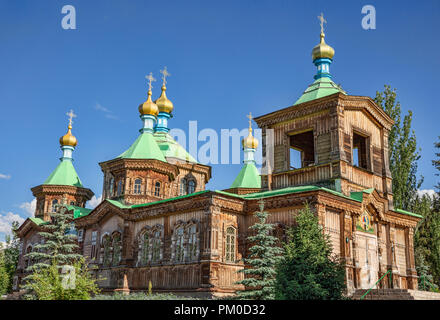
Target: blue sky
226 58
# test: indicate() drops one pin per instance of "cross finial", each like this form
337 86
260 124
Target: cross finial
71 115
322 21
249 116
165 74
150 79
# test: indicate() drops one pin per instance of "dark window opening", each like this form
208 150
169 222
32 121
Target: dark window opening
302 150
157 189
359 151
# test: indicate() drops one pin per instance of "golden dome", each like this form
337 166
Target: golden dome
322 50
148 107
163 103
250 142
68 139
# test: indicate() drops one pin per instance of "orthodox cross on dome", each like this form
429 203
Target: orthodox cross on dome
150 79
322 21
165 74
71 115
249 116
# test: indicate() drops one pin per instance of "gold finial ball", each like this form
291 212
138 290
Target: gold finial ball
68 139
322 50
149 107
250 142
163 103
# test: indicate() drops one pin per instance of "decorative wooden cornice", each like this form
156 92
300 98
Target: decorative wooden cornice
61 189
195 167
298 111
27 226
99 213
141 164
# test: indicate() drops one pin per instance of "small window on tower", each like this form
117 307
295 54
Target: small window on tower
54 205
157 189
119 190
360 150
302 146
191 186
137 186
183 186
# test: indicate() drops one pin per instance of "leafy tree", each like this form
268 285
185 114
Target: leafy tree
264 254
403 151
4 276
50 284
58 248
11 254
308 270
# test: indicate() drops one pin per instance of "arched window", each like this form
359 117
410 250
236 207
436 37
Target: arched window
54 205
183 186
156 244
119 190
230 244
192 242
191 186
106 251
28 260
110 187
179 246
157 189
117 246
144 248
137 186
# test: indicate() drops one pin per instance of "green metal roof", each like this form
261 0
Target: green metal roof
118 204
249 177
65 175
145 147
79 212
408 213
38 221
321 87
170 148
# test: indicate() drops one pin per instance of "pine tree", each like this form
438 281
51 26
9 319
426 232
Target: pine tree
12 254
308 270
436 164
264 255
58 248
4 276
403 151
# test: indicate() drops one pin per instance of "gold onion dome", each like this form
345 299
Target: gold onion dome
149 107
250 142
68 139
163 103
322 50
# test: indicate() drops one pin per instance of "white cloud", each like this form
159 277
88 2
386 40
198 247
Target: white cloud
5 176
6 220
94 202
29 207
429 192
108 113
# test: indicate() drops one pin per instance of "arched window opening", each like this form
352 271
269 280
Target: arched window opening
119 190
191 186
230 244
72 203
144 248
157 189
156 246
110 187
28 260
180 250
183 186
137 186
192 243
105 251
117 246
54 205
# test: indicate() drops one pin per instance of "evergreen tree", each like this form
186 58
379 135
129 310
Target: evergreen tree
4 276
308 270
436 164
59 248
260 266
403 151
12 254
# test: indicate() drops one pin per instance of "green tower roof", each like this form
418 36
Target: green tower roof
171 149
321 87
249 177
65 175
145 147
